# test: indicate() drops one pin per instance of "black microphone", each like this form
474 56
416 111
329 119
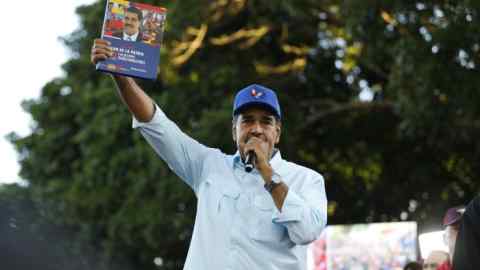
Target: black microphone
250 161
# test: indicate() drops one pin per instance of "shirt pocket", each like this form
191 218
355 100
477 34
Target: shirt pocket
220 197
215 210
263 228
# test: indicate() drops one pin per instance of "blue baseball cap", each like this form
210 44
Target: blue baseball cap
257 95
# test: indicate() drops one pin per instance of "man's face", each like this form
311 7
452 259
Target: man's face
256 122
131 23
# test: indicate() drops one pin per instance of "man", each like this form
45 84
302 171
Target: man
258 220
435 259
451 222
131 25
467 247
153 25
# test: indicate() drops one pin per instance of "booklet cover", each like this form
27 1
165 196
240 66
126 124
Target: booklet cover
135 31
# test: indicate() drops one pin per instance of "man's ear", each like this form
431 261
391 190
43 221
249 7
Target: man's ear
234 131
279 132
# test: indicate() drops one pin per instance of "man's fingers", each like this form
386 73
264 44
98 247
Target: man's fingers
101 46
99 41
100 50
98 57
249 147
107 51
100 53
252 144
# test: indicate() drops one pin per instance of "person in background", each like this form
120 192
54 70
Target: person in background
451 222
467 246
435 259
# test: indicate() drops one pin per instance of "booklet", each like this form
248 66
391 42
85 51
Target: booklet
135 31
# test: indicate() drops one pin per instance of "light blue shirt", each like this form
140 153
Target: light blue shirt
237 225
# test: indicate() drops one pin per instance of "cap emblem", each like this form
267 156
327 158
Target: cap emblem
256 94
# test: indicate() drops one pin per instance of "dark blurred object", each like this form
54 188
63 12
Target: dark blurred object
467 247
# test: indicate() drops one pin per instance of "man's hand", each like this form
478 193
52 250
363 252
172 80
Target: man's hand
100 51
260 148
137 101
262 164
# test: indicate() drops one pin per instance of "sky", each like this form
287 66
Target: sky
31 57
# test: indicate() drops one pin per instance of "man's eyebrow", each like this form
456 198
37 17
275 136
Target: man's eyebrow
248 116
263 117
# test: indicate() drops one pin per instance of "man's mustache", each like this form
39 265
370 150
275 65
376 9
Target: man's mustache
261 137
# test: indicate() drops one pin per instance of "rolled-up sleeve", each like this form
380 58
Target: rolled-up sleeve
184 155
304 214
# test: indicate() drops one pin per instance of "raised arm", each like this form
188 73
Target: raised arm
184 155
137 101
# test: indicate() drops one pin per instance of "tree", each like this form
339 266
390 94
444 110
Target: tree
30 241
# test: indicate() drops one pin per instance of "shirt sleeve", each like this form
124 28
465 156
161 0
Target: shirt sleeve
183 155
304 214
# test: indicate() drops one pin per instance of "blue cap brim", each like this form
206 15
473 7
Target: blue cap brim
261 105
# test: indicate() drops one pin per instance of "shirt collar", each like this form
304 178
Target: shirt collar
274 161
132 37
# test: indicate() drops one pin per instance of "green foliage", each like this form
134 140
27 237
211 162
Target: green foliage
32 241
407 154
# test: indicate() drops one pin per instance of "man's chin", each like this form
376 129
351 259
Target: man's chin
130 33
